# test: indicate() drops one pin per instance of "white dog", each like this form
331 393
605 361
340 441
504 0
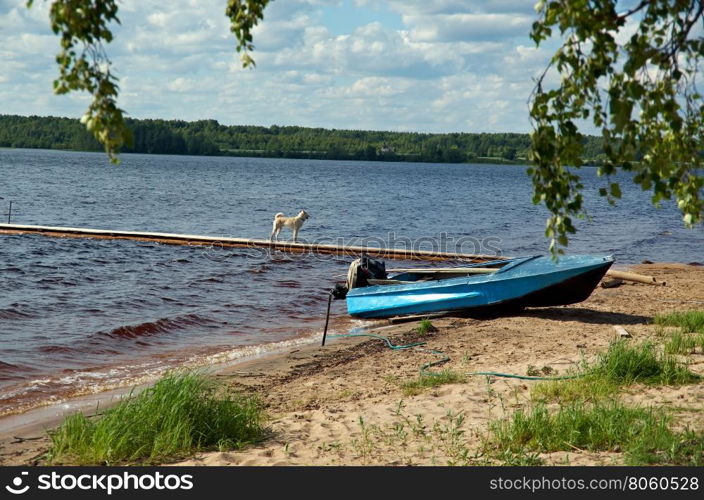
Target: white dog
295 223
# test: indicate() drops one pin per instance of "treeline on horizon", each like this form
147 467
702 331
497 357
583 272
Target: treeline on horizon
208 137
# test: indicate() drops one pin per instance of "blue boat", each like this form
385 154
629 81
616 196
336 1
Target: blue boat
510 284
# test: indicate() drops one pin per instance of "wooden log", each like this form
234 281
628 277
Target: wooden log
638 278
612 283
226 242
622 332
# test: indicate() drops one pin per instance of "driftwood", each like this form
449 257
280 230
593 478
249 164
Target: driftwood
612 283
622 332
638 278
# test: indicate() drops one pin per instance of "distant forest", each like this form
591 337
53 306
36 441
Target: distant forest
208 137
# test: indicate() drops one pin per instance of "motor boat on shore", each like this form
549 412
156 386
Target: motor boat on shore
507 284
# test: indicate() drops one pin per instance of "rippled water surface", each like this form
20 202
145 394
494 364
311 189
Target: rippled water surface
81 314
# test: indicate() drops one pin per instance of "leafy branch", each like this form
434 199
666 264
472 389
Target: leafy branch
244 16
640 91
83 26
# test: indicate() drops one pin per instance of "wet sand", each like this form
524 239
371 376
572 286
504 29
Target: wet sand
342 404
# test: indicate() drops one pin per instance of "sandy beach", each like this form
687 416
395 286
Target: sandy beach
343 404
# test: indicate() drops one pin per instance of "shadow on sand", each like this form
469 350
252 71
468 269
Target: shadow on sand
580 314
585 315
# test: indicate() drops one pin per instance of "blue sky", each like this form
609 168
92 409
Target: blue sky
409 65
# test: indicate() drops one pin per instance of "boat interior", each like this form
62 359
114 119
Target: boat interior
414 275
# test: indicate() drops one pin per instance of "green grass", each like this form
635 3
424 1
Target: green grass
587 388
642 433
426 327
180 414
521 458
626 364
594 427
689 321
669 448
622 364
435 379
411 440
591 417
680 342
545 371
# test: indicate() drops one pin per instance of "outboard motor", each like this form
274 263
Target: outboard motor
364 269
339 292
360 272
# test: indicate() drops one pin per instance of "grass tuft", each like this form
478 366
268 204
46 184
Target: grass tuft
594 427
180 414
592 418
587 388
642 433
669 448
426 326
689 321
622 364
435 379
625 364
680 342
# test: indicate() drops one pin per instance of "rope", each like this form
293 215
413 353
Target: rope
523 377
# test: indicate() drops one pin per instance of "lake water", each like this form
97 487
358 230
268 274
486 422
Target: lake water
80 315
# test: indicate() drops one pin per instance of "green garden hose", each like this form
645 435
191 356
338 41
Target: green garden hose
445 358
523 377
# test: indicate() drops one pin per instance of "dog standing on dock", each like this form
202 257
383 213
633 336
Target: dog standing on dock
295 223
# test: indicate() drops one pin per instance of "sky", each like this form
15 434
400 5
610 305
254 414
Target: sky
399 65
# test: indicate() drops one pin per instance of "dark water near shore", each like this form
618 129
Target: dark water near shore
78 315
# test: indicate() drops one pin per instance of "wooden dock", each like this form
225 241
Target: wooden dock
281 246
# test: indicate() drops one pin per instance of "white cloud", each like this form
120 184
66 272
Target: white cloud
448 7
452 66
372 87
463 27
181 84
370 50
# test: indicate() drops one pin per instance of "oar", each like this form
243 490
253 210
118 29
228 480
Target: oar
447 270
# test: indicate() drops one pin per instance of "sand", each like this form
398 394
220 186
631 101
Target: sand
342 404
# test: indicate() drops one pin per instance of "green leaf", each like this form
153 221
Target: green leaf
650 73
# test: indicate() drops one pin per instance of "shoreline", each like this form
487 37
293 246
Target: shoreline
52 411
23 434
144 376
316 396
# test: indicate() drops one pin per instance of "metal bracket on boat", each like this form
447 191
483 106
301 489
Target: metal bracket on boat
337 293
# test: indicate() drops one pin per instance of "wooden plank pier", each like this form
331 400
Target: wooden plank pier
282 246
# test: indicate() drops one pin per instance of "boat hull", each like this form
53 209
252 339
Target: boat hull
528 282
